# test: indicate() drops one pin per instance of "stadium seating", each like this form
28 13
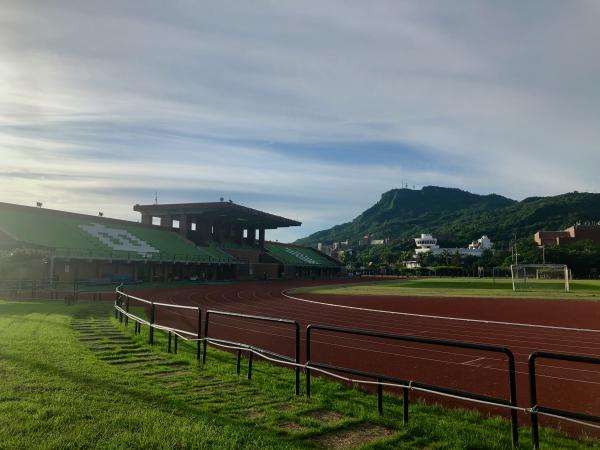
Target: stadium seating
73 235
297 256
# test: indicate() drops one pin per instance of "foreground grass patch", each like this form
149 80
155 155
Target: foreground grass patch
460 287
72 377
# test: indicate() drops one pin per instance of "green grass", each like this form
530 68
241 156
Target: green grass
73 377
462 287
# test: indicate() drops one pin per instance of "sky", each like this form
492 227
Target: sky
305 109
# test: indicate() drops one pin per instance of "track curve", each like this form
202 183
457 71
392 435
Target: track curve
561 385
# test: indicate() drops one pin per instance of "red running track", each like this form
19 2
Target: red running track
562 385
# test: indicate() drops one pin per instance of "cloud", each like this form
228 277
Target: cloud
306 109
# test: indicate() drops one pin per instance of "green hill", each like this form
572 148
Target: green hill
457 217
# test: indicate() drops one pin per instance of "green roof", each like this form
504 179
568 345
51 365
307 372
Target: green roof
81 236
293 255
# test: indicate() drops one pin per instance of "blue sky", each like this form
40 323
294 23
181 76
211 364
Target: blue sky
306 109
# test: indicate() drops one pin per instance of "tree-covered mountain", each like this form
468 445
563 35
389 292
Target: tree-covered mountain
457 217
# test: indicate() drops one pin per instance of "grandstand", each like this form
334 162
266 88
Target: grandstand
240 231
79 246
296 261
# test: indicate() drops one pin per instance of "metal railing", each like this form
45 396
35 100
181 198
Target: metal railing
122 312
47 289
537 409
405 384
124 255
295 324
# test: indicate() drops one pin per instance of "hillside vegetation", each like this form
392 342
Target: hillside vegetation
457 217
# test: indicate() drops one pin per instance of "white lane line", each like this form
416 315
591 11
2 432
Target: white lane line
427 316
468 363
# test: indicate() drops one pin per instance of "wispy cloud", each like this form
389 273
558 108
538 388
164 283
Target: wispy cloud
306 109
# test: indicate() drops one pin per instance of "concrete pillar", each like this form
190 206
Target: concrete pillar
251 239
239 234
147 219
184 226
166 222
221 232
261 237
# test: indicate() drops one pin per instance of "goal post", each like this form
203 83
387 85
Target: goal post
540 277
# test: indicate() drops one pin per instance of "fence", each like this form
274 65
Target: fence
70 291
537 409
405 384
252 349
122 312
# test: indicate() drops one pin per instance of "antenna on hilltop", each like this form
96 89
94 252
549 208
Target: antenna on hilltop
156 198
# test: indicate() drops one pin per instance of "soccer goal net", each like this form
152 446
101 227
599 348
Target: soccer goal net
540 277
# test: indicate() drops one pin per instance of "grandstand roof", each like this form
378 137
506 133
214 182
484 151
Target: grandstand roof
84 236
224 212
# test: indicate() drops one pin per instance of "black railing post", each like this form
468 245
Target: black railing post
175 343
127 311
117 302
199 336
512 382
169 343
535 437
297 358
308 330
405 405
250 357
379 396
205 336
239 361
152 318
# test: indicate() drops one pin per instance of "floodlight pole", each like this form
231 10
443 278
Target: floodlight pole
512 274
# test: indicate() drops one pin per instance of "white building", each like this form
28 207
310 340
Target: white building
380 241
483 243
428 244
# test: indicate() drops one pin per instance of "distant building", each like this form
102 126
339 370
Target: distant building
325 248
336 250
379 241
412 264
483 243
572 234
428 244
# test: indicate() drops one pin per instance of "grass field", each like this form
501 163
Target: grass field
462 287
73 377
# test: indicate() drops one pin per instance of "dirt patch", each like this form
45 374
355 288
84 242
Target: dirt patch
284 407
354 437
135 362
165 373
325 416
251 414
290 427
